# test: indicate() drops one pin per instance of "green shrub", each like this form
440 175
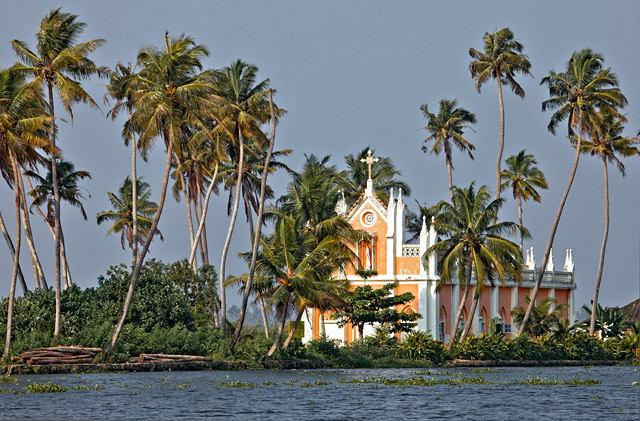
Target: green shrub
420 346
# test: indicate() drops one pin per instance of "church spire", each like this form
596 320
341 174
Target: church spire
369 160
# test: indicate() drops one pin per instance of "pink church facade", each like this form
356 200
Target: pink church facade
383 249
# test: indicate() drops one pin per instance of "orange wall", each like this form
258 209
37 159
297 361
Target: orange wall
407 265
562 295
504 301
521 293
445 301
401 289
542 294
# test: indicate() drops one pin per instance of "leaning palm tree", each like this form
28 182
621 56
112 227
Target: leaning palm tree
501 60
123 217
523 176
383 175
21 120
170 93
243 106
473 243
446 128
69 191
577 94
57 64
606 143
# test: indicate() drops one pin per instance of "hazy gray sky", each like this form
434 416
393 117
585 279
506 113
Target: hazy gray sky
353 74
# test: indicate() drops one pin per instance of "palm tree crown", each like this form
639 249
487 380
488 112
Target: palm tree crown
447 127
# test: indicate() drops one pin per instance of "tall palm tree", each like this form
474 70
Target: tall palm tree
606 142
473 243
170 92
501 60
123 214
445 128
243 107
57 64
121 89
577 94
68 191
523 176
21 118
414 220
383 174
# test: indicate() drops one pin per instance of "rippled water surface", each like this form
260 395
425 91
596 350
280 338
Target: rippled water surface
303 395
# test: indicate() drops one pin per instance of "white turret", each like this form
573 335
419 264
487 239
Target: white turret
526 261
341 206
550 265
532 259
431 242
391 214
399 229
424 238
568 261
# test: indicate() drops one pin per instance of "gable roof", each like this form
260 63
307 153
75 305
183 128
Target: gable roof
375 201
633 310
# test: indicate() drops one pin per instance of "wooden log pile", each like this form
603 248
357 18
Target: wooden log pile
167 358
60 355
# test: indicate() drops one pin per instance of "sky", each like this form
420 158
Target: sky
354 74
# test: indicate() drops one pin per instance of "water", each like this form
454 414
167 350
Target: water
202 395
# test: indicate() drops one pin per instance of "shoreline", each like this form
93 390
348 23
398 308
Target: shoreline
25 369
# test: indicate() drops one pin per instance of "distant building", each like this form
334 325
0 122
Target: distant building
383 250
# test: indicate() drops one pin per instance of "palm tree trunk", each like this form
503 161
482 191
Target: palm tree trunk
26 221
472 313
450 180
56 205
323 330
501 147
256 237
134 198
47 224
227 242
547 252
185 193
197 210
65 263
203 215
265 320
465 296
281 321
596 290
293 331
520 219
143 253
7 238
16 260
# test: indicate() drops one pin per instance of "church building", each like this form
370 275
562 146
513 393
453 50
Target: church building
384 251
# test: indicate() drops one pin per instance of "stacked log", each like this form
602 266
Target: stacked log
167 358
59 355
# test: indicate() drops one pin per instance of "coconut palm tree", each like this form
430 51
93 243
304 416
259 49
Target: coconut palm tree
300 269
243 106
501 60
543 318
68 191
21 119
606 142
523 176
577 94
473 243
414 220
57 64
446 128
383 174
170 94
123 217
121 89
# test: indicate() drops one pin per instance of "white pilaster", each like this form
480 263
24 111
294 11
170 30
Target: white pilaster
423 306
432 309
571 310
391 223
399 232
308 325
514 297
495 296
552 294
455 303
432 257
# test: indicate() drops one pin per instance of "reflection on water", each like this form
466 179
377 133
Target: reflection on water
329 394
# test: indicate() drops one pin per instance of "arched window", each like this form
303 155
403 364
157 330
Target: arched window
483 320
506 327
366 251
